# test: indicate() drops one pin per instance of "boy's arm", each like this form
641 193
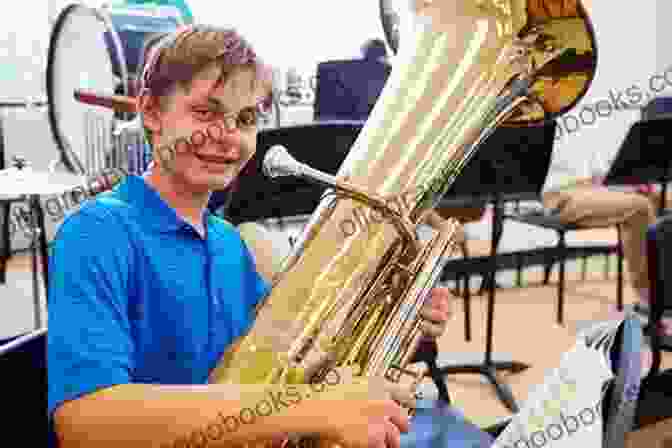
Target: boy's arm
147 415
354 414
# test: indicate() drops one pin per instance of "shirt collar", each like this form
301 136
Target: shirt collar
154 210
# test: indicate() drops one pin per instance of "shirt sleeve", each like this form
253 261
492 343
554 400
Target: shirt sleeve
89 344
257 286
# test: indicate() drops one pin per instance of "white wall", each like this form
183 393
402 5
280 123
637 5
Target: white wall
664 37
23 50
630 52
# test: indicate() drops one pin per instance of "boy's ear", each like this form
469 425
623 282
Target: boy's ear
149 106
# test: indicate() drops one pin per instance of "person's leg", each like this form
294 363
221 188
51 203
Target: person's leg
601 207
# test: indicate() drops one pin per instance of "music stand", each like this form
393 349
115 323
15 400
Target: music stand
644 157
512 164
322 145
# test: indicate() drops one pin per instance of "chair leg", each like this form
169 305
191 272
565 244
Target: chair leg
428 351
547 272
519 270
458 289
467 309
466 294
439 381
562 248
619 281
548 268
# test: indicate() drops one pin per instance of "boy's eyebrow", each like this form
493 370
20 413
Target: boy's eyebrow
221 107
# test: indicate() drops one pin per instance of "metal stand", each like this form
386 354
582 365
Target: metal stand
489 368
39 250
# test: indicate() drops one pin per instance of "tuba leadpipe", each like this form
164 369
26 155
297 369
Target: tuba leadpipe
352 288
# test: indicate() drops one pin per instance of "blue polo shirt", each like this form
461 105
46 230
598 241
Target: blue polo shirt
136 295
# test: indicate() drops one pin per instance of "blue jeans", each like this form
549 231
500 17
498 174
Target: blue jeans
436 425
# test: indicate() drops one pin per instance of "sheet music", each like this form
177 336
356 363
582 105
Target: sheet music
566 409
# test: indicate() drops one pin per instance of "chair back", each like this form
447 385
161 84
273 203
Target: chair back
23 364
659 250
655 401
620 401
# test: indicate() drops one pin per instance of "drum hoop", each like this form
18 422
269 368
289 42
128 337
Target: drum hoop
384 10
68 157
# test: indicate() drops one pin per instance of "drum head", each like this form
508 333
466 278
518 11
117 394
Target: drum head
79 58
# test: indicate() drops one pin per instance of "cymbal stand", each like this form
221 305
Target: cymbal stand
39 249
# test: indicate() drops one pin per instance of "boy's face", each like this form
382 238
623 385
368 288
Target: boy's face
221 145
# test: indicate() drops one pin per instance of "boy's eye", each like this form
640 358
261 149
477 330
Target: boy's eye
247 117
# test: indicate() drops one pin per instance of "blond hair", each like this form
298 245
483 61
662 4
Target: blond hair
178 57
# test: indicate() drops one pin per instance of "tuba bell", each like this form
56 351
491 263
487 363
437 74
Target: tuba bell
353 286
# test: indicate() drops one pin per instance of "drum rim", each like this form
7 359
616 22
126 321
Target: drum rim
69 159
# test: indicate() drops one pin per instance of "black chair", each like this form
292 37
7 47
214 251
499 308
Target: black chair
23 369
620 398
655 400
660 108
562 252
659 251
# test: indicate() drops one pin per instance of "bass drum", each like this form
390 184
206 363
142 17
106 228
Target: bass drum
99 50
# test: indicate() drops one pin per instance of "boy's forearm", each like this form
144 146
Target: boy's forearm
140 415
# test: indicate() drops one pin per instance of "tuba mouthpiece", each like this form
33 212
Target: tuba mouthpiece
279 162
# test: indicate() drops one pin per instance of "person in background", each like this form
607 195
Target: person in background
375 50
576 194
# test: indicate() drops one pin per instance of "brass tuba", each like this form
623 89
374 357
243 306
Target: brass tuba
354 285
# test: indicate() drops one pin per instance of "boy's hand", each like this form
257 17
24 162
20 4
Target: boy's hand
437 311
